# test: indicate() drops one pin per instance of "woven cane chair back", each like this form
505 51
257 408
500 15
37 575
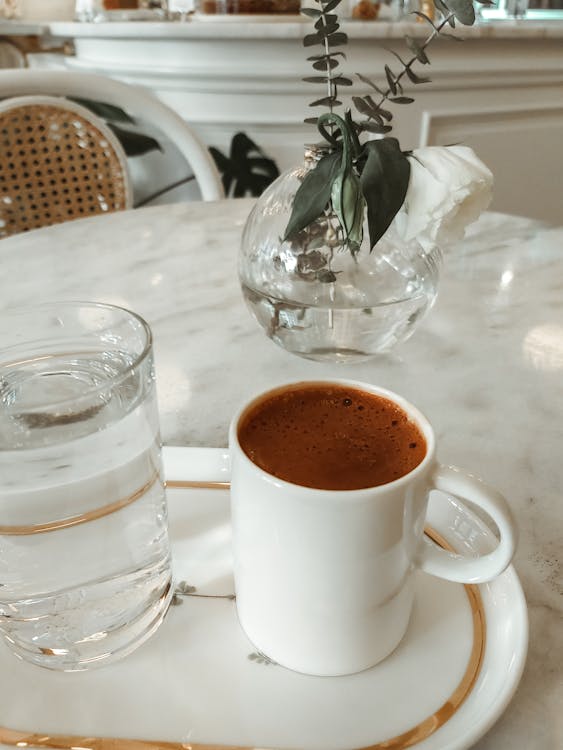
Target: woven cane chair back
58 162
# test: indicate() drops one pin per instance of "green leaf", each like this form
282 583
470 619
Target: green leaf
385 114
331 5
353 133
414 78
135 144
328 29
374 127
348 204
463 11
325 57
338 39
310 39
342 81
417 50
326 20
311 12
390 79
370 83
364 107
105 111
326 101
325 64
311 120
402 100
384 180
442 7
399 58
313 194
315 79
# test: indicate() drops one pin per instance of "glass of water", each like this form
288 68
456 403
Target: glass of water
85 572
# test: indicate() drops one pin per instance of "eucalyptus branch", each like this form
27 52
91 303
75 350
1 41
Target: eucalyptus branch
353 180
329 74
415 58
327 33
373 110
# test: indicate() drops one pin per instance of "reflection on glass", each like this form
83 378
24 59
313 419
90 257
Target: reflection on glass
543 347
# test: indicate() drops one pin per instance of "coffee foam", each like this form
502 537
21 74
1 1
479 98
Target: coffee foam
331 437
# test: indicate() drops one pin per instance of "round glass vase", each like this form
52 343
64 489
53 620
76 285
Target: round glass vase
313 297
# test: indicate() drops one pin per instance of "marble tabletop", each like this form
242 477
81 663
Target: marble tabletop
486 366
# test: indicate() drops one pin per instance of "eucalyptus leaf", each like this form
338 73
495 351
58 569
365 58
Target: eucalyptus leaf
326 64
374 86
311 120
402 100
328 30
414 78
331 5
342 81
311 12
385 114
326 101
375 127
397 55
463 11
313 194
417 50
326 20
363 107
338 39
390 79
325 57
384 181
442 7
315 79
310 39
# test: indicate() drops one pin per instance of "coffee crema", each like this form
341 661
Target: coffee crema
331 437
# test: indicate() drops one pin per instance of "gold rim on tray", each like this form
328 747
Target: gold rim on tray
23 739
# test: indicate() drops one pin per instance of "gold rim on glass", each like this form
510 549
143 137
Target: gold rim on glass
413 736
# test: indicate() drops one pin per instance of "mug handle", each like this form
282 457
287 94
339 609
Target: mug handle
200 466
454 567
196 466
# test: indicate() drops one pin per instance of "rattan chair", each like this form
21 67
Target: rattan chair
58 162
136 101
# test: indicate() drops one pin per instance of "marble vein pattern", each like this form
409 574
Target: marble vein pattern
486 366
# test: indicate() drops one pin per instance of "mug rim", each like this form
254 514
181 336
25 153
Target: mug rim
412 411
115 379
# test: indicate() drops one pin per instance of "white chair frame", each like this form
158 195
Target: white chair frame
136 101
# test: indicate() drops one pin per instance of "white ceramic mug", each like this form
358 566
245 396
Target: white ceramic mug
324 578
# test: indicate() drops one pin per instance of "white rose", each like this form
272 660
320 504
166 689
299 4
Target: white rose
448 189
